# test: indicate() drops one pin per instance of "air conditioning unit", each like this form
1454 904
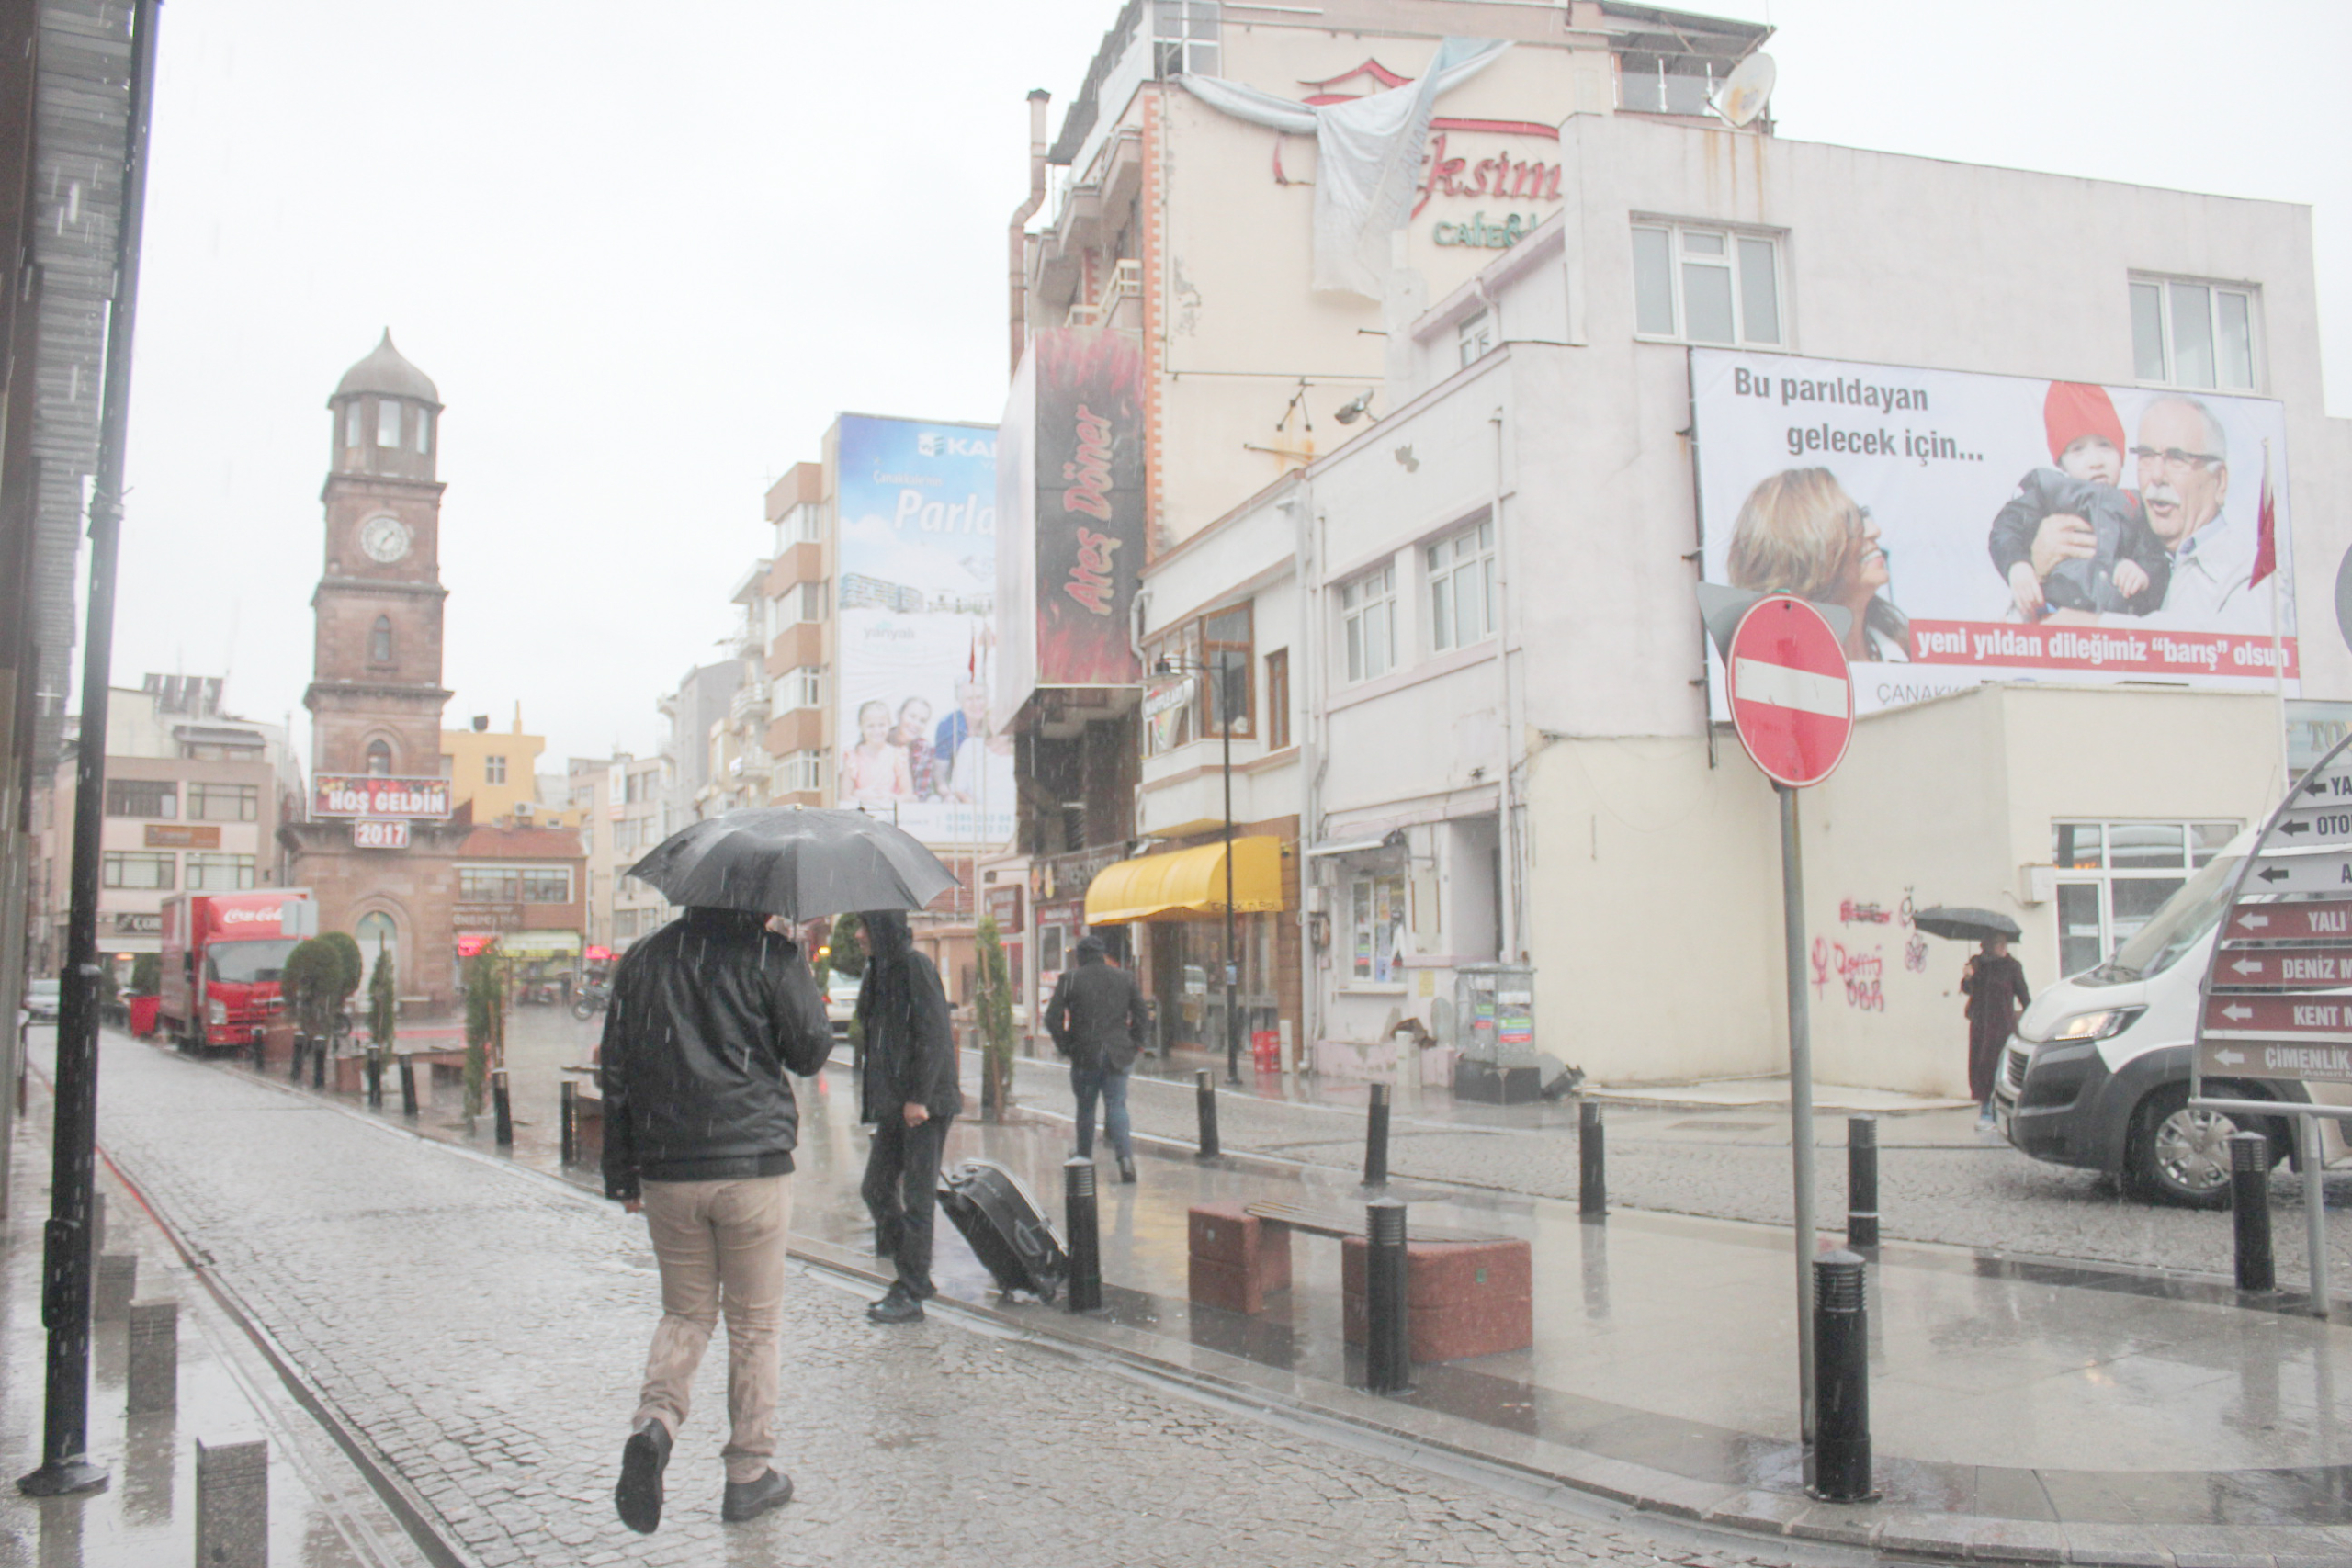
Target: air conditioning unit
522 809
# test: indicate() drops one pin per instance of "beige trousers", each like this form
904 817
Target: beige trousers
720 1246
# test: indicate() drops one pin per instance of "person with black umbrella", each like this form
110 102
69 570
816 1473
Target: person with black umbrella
911 1094
1995 986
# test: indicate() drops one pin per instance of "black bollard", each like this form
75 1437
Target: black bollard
502 1111
1862 1181
1205 1091
375 1081
1841 1380
1388 1336
2250 1201
1085 1236
319 1064
295 1072
1592 1163
566 1110
261 1050
1376 1138
408 1087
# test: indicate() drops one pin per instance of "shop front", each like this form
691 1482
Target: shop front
1172 906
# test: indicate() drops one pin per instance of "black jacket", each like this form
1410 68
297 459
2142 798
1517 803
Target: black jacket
1096 1016
909 1041
2119 523
706 1015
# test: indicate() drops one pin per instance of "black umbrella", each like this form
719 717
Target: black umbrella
1966 925
798 862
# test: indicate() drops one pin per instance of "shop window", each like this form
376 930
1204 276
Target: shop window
1278 699
388 422
2114 876
379 759
1706 285
1368 621
1461 573
136 869
142 797
1376 928
223 802
514 884
380 641
2192 334
219 873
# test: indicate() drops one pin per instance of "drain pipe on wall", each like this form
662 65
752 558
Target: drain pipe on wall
1018 240
1308 552
1506 722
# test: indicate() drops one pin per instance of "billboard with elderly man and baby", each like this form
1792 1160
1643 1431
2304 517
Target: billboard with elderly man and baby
1979 527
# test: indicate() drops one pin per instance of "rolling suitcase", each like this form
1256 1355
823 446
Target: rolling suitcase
999 1218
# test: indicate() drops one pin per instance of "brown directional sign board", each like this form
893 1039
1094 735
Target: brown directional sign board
2281 969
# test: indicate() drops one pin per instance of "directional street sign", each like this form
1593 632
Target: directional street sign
2333 782
2329 872
1792 697
2290 969
2318 826
2288 922
2219 1058
2276 1018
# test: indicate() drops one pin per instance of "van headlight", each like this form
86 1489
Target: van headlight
2095 1025
218 1013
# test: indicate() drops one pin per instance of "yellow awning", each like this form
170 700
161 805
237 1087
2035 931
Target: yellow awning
1188 883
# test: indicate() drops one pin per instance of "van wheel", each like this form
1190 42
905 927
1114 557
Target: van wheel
2181 1156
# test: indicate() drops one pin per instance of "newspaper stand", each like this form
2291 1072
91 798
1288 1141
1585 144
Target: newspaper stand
2276 1003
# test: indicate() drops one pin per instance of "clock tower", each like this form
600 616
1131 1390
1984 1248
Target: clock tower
376 696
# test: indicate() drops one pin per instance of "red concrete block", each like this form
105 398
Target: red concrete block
1235 1258
1462 1298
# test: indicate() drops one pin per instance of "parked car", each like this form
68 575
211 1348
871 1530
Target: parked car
42 999
841 1005
2098 1073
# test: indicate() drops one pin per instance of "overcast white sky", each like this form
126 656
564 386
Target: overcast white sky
648 253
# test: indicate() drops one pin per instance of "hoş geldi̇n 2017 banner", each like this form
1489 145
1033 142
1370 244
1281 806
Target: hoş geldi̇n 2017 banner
917 505
1982 527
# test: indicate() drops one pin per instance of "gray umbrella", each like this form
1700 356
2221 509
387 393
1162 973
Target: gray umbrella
1966 925
798 862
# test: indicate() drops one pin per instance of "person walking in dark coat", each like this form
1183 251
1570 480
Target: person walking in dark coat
911 1094
706 1016
1096 1018
1995 985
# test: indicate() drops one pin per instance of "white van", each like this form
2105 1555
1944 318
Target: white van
2098 1073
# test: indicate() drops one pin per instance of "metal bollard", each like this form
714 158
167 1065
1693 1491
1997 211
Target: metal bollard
1085 1236
1205 1091
375 1081
1841 1380
566 1111
233 1504
294 1073
1376 1138
408 1087
1592 1163
1862 1181
153 1374
1388 1337
319 1064
117 1283
2250 1204
502 1111
261 1051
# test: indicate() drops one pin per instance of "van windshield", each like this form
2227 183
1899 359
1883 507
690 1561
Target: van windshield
247 963
2178 924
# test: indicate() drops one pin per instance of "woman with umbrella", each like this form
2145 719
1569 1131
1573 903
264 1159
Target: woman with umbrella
1994 984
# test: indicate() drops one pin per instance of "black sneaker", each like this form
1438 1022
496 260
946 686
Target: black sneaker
643 1459
898 1306
750 1499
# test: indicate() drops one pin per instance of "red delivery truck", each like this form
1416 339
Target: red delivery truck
224 954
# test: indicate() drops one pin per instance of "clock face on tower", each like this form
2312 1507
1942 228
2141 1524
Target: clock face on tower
386 539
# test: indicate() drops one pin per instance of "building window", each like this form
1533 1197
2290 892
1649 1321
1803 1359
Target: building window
351 413
515 884
802 772
493 770
1376 928
142 797
1368 614
2192 334
380 641
1227 652
219 873
1184 37
1278 699
2114 876
1462 586
803 687
379 759
377 939
388 422
135 869
223 802
808 604
1475 337
423 432
1706 285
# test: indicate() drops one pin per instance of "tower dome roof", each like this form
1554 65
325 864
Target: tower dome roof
386 373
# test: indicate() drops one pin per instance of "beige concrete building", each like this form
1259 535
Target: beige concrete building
496 774
624 808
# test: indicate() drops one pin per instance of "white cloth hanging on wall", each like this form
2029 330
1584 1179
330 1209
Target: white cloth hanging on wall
1368 155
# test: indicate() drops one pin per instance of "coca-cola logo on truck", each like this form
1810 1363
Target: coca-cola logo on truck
249 917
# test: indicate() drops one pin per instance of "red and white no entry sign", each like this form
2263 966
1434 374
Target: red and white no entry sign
1792 697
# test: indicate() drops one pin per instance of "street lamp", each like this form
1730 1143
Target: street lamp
1225 715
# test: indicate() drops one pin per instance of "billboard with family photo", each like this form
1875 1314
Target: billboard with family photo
1980 528
916 597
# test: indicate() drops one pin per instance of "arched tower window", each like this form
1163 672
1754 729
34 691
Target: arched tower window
380 641
377 936
388 422
379 760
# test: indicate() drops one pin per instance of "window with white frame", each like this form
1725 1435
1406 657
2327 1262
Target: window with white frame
803 771
388 422
134 868
808 602
1706 285
2192 334
2114 876
493 770
802 687
1368 621
1184 38
424 430
1475 338
219 873
1461 572
351 422
1376 928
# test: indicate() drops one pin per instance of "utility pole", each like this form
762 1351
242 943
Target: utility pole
1232 957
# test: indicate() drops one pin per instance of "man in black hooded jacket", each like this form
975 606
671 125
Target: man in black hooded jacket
706 1015
911 1094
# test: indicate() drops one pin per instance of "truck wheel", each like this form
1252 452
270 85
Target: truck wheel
2179 1156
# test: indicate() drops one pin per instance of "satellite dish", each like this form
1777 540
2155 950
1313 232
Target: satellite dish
1746 90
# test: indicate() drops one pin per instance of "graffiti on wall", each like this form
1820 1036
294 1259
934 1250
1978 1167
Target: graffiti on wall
1862 972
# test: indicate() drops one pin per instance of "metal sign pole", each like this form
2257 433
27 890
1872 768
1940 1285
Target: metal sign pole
1800 1099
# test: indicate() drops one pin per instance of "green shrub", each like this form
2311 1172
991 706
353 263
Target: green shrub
354 964
848 956
485 1023
146 973
993 1003
312 984
383 1003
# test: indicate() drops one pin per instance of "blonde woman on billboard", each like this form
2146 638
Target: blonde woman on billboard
874 772
1799 532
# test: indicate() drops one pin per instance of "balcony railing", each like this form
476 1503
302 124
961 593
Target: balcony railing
750 702
1125 282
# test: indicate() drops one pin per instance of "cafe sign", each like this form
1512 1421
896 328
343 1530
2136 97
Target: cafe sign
369 795
182 836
